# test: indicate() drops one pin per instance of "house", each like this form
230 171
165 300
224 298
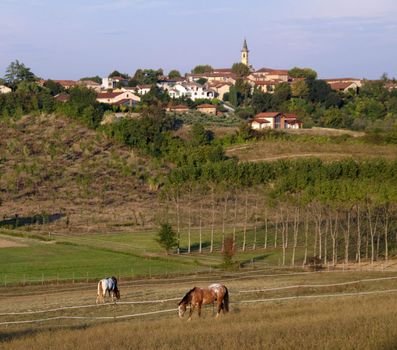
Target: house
90 84
177 109
267 120
192 90
266 86
221 88
207 109
5 89
344 84
391 85
113 82
143 89
118 98
66 84
275 120
228 77
290 121
62 97
268 74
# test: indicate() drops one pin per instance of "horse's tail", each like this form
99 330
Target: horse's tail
226 300
100 291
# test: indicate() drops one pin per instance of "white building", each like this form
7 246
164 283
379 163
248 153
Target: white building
4 89
192 90
118 98
113 82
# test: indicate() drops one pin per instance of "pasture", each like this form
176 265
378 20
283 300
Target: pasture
278 309
82 258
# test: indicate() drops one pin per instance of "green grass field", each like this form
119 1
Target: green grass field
82 257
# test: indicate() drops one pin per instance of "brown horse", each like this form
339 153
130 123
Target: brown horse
197 297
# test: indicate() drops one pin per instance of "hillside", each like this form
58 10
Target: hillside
51 164
318 143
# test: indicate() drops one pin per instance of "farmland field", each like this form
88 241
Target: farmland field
329 310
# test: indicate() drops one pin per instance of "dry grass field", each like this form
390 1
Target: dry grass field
268 310
274 150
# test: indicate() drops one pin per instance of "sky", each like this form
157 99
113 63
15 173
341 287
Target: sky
72 39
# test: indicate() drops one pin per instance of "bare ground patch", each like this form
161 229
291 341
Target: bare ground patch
5 243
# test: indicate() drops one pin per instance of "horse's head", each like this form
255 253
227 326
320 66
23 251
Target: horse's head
181 309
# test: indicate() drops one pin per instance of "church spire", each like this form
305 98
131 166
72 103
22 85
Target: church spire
244 54
245 46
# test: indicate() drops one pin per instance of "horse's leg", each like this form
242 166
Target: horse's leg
199 309
218 308
191 312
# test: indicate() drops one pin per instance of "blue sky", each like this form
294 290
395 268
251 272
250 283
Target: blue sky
75 38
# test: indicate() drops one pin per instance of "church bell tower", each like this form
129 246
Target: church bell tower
244 54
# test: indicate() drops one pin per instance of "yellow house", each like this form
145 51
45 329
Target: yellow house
207 109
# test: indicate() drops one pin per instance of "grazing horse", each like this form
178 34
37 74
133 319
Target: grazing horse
197 297
107 285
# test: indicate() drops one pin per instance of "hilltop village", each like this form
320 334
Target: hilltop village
208 90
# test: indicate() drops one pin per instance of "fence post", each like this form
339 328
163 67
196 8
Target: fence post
42 279
5 280
73 277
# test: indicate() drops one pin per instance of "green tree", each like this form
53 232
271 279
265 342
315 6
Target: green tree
319 90
261 102
167 237
96 78
174 74
306 73
116 73
299 88
282 93
17 72
54 87
201 81
240 69
199 135
147 76
201 69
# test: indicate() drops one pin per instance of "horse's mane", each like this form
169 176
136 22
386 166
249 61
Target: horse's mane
187 296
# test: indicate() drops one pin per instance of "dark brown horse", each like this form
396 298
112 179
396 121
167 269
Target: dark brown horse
197 297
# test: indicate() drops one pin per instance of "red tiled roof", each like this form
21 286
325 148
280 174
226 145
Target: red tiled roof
339 86
341 79
123 101
214 75
222 70
206 106
290 116
261 121
62 97
109 94
118 78
66 82
265 83
89 82
272 71
267 115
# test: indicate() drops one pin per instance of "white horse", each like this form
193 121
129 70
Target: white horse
107 285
